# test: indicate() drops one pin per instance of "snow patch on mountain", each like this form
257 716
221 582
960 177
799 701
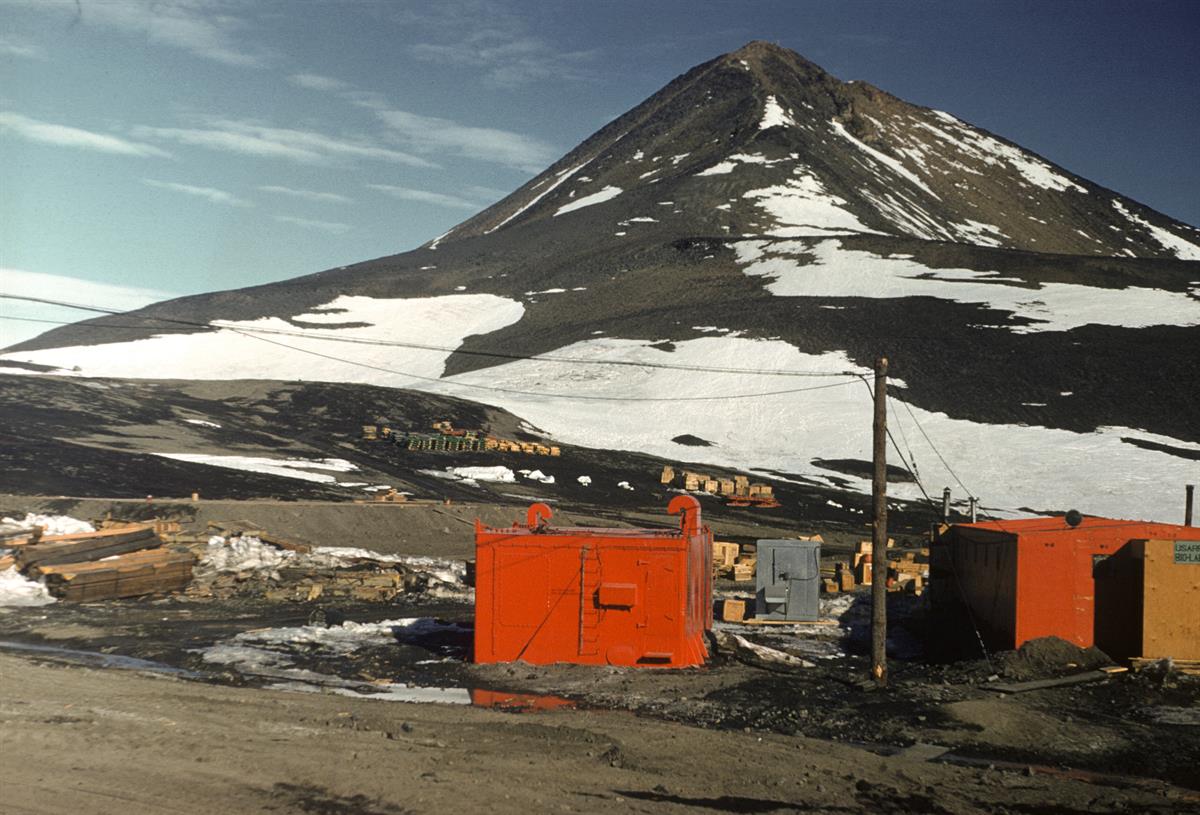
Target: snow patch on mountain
802 206
775 116
1184 250
731 162
991 150
559 179
235 351
826 269
607 194
881 157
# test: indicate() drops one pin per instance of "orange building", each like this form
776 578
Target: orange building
1036 577
596 596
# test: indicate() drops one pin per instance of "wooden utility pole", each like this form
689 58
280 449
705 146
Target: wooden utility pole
879 536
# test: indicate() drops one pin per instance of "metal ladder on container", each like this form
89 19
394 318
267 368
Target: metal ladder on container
589 612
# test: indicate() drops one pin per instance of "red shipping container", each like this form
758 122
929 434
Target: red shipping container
1034 577
640 597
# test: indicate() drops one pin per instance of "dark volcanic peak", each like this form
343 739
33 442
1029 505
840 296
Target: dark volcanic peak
763 141
759 216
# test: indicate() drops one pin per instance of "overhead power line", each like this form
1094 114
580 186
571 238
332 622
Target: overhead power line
545 394
316 335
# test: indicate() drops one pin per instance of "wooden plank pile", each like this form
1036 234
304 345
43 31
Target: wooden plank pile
370 583
738 490
120 560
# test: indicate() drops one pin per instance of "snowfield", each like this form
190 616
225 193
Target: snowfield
230 352
826 269
764 423
1008 466
286 467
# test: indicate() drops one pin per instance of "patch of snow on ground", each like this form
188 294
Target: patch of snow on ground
585 480
270 653
18 590
498 474
286 467
51 524
625 485
607 194
244 554
1184 250
775 116
802 206
201 423
838 272
233 352
1009 465
538 475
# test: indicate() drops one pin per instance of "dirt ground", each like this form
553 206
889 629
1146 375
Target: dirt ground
102 741
122 707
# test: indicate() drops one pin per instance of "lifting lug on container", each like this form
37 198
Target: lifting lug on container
689 524
538 517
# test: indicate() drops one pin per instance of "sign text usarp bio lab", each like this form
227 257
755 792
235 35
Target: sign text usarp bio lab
1187 552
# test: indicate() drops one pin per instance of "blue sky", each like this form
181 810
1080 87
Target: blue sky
179 146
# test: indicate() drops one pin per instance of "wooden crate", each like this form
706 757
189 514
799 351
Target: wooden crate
733 611
725 554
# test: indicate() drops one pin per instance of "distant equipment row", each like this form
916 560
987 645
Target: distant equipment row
448 439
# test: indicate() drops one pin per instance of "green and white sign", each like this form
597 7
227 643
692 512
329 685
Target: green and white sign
1187 552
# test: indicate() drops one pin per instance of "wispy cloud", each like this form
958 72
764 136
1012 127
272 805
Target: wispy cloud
317 82
493 37
308 195
432 135
438 199
254 139
210 194
331 227
11 47
65 136
206 28
482 143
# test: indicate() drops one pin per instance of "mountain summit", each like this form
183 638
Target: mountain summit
814 155
718 267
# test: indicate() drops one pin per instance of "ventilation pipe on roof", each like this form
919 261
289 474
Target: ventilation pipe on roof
946 505
1187 504
974 509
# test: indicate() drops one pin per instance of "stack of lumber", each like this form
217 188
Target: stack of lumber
118 561
149 571
368 583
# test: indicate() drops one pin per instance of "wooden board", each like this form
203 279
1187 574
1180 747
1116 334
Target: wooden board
79 550
1039 684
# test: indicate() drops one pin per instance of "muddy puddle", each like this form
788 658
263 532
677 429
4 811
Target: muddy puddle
345 650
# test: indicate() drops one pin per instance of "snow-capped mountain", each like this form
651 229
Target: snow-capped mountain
741 245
